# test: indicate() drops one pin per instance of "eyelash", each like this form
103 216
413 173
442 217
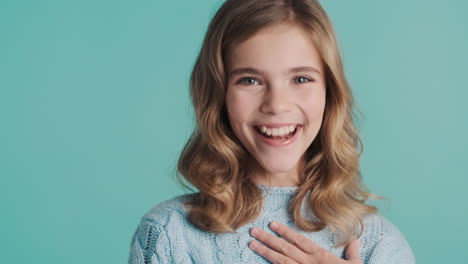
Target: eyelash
241 81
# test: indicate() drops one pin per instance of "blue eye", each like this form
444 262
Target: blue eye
302 80
247 80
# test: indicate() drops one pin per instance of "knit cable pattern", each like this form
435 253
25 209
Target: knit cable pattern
164 235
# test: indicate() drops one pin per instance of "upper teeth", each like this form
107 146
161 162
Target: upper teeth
281 131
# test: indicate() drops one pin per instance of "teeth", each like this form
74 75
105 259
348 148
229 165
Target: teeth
277 131
274 132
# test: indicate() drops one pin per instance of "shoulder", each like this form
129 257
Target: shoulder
384 241
167 210
155 233
379 226
164 216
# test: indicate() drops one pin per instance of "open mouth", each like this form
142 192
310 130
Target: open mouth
285 134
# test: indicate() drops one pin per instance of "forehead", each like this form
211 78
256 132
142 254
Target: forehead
275 48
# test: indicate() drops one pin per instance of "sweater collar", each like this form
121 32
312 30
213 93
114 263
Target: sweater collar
278 199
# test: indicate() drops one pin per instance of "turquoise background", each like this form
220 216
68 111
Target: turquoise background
94 111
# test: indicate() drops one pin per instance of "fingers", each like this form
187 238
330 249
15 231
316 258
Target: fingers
352 252
295 238
280 248
269 254
296 248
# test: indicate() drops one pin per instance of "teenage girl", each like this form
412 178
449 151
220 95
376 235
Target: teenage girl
275 152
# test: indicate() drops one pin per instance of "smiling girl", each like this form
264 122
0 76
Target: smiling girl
275 152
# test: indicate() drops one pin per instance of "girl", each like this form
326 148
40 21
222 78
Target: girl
274 154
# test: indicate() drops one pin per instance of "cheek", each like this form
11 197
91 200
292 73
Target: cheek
313 104
239 107
316 110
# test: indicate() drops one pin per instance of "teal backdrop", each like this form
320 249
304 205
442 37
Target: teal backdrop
95 109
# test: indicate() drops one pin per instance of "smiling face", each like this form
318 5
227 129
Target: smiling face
275 85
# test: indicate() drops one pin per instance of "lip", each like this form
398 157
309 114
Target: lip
276 125
276 143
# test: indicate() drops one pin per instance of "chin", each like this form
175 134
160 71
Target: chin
278 166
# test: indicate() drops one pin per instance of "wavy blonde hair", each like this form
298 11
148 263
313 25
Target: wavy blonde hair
214 160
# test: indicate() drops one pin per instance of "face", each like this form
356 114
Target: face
275 100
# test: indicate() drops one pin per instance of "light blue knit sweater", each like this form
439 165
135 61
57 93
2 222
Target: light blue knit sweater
165 236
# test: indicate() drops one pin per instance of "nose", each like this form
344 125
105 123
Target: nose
276 100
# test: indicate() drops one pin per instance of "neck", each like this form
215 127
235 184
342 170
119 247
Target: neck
259 175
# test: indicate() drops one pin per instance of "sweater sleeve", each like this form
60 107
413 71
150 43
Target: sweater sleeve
150 244
393 248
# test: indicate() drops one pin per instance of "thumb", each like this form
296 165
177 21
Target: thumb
352 252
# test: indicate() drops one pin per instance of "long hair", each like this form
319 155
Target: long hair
214 160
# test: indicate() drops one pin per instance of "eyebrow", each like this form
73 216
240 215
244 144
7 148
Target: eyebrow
259 72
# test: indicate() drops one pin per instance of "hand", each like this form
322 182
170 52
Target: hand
297 248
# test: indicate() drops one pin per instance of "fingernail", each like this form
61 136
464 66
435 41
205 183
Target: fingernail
254 244
274 225
253 231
